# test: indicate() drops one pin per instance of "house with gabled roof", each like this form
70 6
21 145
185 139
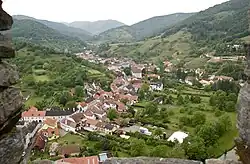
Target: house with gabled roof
91 125
50 129
33 114
82 160
40 142
58 113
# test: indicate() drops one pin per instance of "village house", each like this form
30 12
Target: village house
40 142
74 123
82 160
128 98
137 85
58 114
168 66
50 129
81 106
153 77
110 129
137 71
190 80
220 78
121 107
33 114
206 82
68 124
101 126
89 115
91 125
156 86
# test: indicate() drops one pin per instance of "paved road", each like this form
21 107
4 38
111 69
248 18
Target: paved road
28 151
230 155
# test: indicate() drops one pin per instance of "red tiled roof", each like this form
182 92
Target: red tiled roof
50 122
121 106
40 142
83 160
33 112
52 131
82 103
128 97
136 69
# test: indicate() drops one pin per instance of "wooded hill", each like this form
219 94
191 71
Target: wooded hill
31 31
139 31
226 21
60 27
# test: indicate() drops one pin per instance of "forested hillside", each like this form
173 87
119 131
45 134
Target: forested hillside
139 31
208 32
97 26
226 21
37 33
45 77
62 28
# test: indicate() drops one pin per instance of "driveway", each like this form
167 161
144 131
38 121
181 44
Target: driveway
132 129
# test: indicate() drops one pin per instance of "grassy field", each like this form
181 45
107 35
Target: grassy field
41 78
41 68
226 142
175 47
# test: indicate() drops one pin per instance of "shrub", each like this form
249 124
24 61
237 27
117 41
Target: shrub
218 113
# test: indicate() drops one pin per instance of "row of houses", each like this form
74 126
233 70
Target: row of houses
208 81
33 114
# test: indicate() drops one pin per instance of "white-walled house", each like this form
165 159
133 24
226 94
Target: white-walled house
68 124
33 115
156 86
59 114
136 72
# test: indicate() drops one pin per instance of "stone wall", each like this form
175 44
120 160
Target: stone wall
10 97
148 160
243 118
11 102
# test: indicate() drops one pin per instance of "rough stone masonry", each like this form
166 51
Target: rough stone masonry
11 102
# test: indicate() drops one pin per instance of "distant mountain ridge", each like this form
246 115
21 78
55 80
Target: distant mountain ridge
146 28
34 32
96 27
62 28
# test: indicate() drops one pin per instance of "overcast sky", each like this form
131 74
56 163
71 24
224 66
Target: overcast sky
126 11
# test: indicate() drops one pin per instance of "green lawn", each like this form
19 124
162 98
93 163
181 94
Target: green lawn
32 101
39 70
94 72
41 78
70 139
196 63
226 142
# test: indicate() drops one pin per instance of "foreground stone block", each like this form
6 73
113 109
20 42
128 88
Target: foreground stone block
11 103
8 74
6 20
6 52
217 161
11 147
147 160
